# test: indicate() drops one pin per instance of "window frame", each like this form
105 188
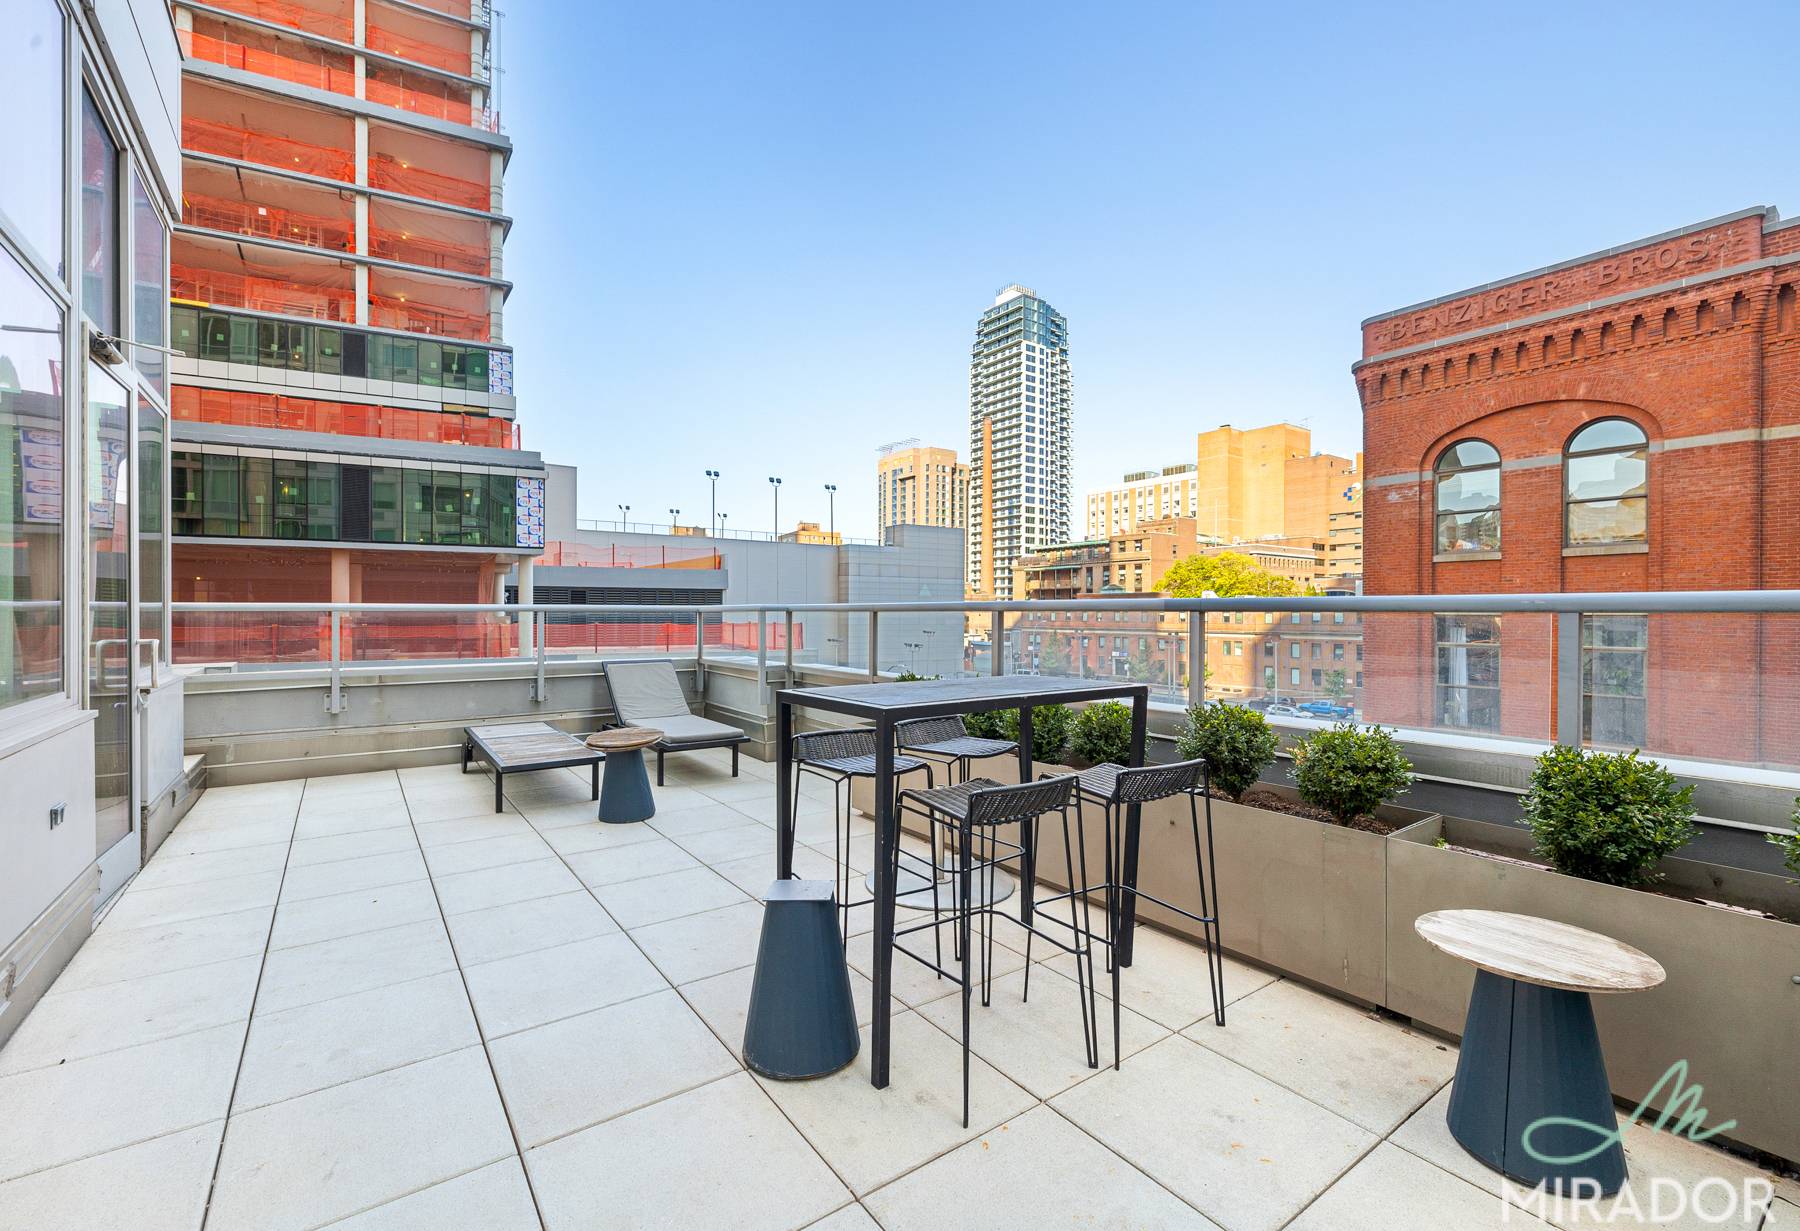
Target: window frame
1442 471
1440 687
1570 453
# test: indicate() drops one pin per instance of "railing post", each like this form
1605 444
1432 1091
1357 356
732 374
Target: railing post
874 645
787 667
699 648
1196 689
334 704
537 686
762 651
997 644
1568 678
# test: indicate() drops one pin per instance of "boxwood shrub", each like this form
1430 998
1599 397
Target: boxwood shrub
1102 733
1238 744
1350 771
1607 816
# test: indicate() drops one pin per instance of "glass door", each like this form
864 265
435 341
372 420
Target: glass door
111 637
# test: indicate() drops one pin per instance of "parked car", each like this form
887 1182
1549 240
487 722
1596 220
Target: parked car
1264 703
1284 711
1325 709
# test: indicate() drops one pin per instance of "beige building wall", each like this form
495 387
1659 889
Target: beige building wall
922 486
1243 479
1174 492
1316 487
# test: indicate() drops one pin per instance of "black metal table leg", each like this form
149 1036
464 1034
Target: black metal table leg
1140 726
1028 856
784 790
887 837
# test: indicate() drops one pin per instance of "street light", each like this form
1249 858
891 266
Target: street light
624 517
674 520
713 478
831 525
775 486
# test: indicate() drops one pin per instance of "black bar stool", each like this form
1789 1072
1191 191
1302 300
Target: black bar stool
1115 788
839 757
972 812
948 742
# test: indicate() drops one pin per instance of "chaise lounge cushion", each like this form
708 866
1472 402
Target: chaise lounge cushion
648 694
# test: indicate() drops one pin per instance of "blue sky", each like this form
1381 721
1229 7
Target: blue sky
756 237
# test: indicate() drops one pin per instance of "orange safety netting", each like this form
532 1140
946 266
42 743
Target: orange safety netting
613 555
231 141
436 253
390 312
316 73
450 59
296 16
241 409
463 10
268 221
386 171
244 637
420 102
261 294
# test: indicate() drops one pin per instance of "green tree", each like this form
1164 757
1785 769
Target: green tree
1337 685
1053 654
1230 574
1146 665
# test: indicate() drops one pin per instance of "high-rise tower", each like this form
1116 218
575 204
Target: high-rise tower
343 401
1019 414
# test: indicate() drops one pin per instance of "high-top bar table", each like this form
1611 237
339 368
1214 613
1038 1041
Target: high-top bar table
887 704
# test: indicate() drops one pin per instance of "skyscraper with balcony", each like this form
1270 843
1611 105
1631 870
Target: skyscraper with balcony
1020 406
343 400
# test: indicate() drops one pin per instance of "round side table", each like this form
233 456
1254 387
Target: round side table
625 790
1529 1047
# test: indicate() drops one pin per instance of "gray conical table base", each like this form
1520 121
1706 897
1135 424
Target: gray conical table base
913 890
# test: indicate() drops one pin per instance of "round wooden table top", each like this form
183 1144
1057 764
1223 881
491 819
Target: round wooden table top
1540 951
624 739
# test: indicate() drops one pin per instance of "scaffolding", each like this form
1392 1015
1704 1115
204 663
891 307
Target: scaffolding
268 222
319 74
261 293
393 312
418 50
235 141
387 171
294 16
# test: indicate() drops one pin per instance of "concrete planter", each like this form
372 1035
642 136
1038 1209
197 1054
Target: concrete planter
1302 896
1730 1007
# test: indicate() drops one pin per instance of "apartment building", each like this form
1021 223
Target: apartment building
343 400
1257 484
90 717
1020 409
919 485
1626 420
1144 495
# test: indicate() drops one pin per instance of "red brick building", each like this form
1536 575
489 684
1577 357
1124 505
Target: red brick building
1627 420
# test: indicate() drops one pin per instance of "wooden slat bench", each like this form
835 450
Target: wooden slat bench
524 747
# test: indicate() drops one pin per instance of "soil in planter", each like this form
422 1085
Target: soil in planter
1257 798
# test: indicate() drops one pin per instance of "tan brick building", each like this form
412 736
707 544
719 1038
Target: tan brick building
1260 484
919 485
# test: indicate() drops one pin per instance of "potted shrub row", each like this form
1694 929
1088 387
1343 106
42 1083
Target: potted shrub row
1302 871
1608 848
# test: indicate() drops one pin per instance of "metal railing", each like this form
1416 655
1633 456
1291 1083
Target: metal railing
1707 676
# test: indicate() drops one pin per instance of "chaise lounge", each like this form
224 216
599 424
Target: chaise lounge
647 693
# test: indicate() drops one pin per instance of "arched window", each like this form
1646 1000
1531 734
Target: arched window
1606 484
1468 498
